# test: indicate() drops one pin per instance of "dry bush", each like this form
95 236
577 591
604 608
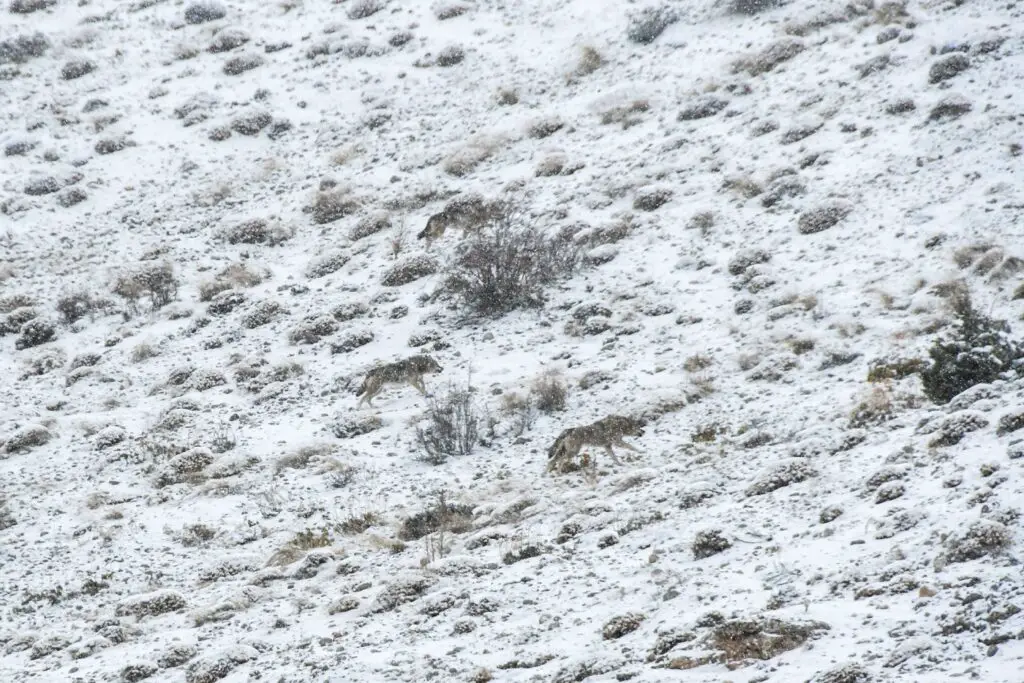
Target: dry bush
697 362
155 281
508 265
442 516
332 205
355 524
521 410
506 97
143 352
627 114
466 159
299 545
453 424
875 408
549 392
302 457
770 58
761 638
590 61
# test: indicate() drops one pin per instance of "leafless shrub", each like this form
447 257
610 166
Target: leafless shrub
452 426
508 265
155 281
522 410
550 392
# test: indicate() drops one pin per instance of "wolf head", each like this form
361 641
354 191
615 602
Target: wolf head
424 363
629 426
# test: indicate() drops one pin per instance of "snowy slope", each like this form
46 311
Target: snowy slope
740 322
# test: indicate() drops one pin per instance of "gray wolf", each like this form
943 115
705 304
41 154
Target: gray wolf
605 433
468 213
411 370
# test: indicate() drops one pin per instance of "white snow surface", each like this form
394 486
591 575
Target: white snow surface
104 573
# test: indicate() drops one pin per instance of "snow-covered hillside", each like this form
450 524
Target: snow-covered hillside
758 220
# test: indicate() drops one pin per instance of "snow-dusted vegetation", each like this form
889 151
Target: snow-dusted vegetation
780 241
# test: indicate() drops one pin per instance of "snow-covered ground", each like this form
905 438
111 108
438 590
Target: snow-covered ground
766 203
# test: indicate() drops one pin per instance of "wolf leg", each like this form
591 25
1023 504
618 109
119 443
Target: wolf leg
614 457
417 384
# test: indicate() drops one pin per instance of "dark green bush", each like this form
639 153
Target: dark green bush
979 352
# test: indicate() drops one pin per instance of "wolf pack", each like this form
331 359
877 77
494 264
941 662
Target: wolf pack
604 433
469 214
